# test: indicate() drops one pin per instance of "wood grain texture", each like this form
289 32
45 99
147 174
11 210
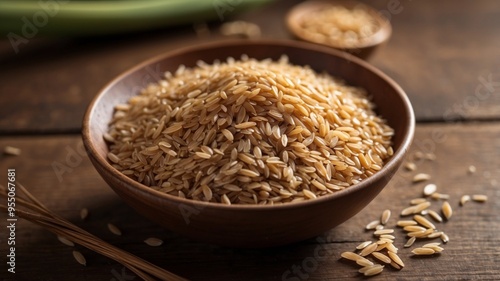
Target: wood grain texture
443 54
472 253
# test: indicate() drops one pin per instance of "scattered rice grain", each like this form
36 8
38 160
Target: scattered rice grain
153 242
421 177
479 198
447 210
10 150
65 241
79 258
114 229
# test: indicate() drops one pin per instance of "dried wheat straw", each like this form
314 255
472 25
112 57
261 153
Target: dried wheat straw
246 123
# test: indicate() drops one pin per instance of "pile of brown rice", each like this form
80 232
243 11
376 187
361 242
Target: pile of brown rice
248 132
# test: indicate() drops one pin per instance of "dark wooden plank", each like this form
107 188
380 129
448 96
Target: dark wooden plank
439 53
472 253
444 54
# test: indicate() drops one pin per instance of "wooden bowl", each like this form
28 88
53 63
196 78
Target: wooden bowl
363 50
255 225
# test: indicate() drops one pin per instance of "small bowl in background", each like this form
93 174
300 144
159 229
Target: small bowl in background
311 10
251 225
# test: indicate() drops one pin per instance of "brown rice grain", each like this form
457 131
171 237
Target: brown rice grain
447 210
410 166
413 228
114 229
423 251
464 199
351 256
10 150
420 207
383 231
381 257
153 242
423 221
421 177
435 216
406 223
408 211
65 241
374 270
84 213
364 262
363 245
385 217
372 224
479 198
445 238
79 258
368 250
396 259
417 201
410 242
429 189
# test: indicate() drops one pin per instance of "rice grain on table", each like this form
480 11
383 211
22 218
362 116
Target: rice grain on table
385 216
114 229
363 245
84 213
10 150
153 242
479 198
410 242
65 241
433 214
79 258
423 251
246 123
447 210
430 189
421 177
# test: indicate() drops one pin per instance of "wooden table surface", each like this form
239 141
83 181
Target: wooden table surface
445 54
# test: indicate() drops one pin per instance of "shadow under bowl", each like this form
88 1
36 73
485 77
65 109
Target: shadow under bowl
250 226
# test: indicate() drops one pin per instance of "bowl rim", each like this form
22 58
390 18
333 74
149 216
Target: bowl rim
296 13
393 162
